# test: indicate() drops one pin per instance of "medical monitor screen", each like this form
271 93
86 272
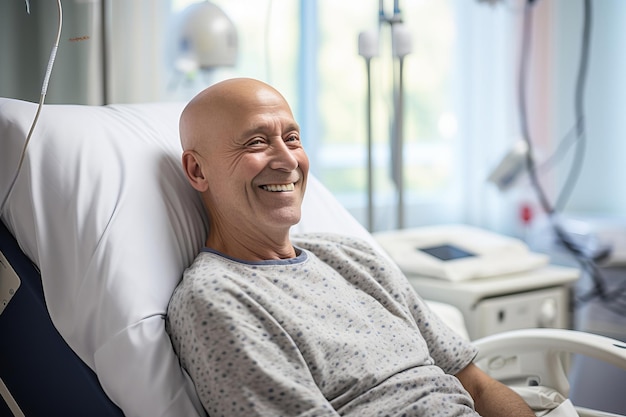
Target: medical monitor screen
447 252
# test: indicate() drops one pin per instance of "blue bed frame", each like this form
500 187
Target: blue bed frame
41 371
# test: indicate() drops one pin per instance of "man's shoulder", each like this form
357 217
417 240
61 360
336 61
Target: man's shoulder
335 245
205 264
329 239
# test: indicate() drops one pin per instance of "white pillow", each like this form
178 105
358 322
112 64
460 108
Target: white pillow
102 206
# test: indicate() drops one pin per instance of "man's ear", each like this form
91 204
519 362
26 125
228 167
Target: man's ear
193 171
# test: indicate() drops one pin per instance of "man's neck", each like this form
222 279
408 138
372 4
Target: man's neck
251 246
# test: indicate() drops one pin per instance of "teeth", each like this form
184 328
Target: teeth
278 187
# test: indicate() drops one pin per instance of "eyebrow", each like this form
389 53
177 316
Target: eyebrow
263 127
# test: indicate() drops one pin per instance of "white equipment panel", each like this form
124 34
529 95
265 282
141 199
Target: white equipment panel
536 298
9 282
458 252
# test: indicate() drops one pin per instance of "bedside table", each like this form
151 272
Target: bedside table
535 298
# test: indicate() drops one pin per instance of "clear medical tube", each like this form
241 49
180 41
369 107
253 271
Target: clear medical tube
44 89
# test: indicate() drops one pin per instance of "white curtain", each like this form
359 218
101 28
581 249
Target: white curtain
488 118
138 42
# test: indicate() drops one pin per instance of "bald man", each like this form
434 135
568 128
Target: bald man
320 325
242 152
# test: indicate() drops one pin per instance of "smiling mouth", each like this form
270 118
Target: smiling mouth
278 188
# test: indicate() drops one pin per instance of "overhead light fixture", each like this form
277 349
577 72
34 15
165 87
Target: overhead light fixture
207 39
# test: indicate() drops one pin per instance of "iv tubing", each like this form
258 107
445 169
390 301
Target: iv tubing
44 89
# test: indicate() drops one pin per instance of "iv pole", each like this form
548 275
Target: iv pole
368 48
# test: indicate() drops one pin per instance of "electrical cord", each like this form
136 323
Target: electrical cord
562 148
579 112
614 300
44 90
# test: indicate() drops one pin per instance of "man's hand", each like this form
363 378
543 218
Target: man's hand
491 397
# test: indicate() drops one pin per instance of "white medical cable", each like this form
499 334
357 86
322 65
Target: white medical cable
10 401
44 90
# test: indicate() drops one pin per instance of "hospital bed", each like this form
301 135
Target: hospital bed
98 228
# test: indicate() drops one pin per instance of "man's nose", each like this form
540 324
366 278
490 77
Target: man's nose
283 157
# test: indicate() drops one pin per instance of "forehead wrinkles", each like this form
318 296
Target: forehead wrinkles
228 114
268 110
270 123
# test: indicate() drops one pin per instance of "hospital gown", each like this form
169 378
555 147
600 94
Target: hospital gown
337 330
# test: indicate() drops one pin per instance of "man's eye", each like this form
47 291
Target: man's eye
292 138
256 141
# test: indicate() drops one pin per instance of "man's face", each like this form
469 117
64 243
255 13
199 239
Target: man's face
255 165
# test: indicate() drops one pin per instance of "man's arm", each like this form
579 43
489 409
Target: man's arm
491 397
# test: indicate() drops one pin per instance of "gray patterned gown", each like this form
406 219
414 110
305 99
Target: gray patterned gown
338 330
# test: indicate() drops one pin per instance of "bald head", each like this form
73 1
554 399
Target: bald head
243 152
215 109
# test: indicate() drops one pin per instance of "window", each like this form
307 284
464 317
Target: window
454 104
429 119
